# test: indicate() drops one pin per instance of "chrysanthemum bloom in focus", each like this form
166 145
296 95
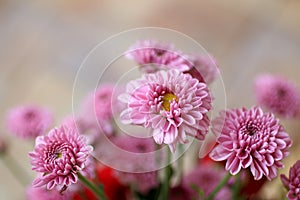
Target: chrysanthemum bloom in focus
278 95
204 67
153 55
173 104
292 183
28 121
41 193
250 138
59 157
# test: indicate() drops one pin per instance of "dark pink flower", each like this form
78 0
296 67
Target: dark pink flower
292 183
250 138
41 193
204 67
58 157
206 178
152 56
173 104
28 121
278 95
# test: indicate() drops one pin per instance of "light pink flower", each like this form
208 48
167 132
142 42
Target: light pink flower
278 95
250 138
206 178
292 183
41 193
142 182
204 68
58 157
173 104
97 109
152 56
28 121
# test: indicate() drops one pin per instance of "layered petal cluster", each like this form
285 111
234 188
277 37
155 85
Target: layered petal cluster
58 157
28 121
173 104
292 183
248 138
278 95
153 56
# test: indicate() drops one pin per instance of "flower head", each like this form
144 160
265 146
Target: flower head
250 138
292 183
204 67
28 121
153 56
278 95
58 157
173 104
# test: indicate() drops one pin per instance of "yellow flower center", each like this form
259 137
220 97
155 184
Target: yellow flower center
167 99
59 155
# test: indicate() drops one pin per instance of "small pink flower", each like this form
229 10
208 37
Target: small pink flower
41 193
206 178
28 121
278 95
292 183
97 109
153 56
204 68
250 138
173 104
58 157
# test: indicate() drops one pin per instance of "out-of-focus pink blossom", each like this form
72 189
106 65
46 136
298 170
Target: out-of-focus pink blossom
41 193
278 95
153 55
28 121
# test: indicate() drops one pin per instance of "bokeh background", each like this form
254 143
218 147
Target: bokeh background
42 44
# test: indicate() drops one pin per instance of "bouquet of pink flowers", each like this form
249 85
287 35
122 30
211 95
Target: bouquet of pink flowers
90 156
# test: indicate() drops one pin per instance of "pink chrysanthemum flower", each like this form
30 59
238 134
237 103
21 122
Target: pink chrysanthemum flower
28 121
204 67
206 178
173 104
145 181
250 138
41 193
153 56
278 95
97 109
292 183
58 157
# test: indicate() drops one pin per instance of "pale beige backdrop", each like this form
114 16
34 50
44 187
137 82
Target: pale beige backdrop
42 44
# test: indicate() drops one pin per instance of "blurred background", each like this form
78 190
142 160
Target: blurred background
44 42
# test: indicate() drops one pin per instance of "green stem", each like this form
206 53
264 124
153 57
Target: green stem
219 187
236 187
98 191
168 173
